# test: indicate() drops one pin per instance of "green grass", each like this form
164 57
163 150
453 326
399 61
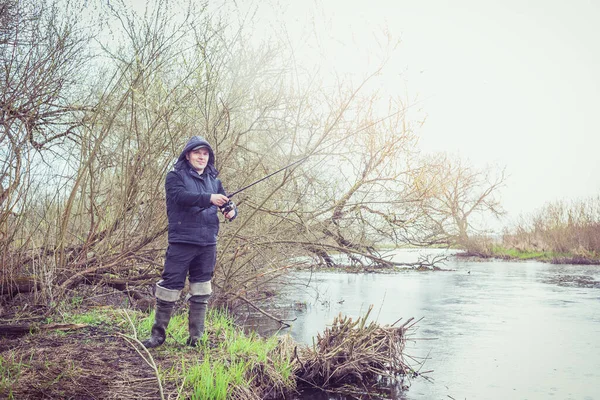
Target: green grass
251 346
227 361
285 368
92 318
212 379
10 369
500 251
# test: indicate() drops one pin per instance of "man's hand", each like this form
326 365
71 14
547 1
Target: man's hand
230 215
218 199
229 210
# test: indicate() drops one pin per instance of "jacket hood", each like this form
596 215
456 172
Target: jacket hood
196 141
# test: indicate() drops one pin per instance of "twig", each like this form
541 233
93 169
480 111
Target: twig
150 360
180 388
257 308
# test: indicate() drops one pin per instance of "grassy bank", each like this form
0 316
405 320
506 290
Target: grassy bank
228 364
507 253
96 353
516 254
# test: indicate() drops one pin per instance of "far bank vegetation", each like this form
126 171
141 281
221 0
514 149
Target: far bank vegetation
563 232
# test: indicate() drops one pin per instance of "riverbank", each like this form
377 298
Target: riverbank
96 353
510 254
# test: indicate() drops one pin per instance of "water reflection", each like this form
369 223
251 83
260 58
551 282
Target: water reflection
494 330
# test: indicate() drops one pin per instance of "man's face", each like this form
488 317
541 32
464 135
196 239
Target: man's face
198 159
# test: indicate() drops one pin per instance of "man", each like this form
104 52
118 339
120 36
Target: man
193 195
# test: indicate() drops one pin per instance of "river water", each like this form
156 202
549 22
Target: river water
489 330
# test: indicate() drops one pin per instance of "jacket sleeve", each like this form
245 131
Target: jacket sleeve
176 191
221 190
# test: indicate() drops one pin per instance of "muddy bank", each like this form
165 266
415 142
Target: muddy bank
94 353
90 364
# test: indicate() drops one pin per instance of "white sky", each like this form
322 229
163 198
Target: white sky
513 83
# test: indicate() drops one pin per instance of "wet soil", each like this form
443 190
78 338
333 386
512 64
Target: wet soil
86 364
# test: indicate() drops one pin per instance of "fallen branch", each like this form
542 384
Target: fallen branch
14 286
20 330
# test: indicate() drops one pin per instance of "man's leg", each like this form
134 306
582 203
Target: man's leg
177 261
201 271
165 301
200 293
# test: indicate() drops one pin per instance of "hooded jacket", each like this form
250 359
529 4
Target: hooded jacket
192 217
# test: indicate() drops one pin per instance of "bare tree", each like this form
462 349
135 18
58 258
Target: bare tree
41 55
456 197
42 51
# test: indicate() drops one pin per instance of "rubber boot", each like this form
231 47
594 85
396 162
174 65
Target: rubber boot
161 321
196 318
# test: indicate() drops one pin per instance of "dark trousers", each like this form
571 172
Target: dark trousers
182 258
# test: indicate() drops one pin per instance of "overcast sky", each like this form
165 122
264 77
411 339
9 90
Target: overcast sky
516 83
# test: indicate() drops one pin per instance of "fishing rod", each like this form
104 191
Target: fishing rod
266 177
225 208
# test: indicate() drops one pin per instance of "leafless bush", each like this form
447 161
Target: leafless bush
559 227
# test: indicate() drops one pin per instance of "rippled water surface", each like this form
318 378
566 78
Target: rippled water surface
490 330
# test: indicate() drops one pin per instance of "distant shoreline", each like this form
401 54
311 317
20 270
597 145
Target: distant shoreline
547 257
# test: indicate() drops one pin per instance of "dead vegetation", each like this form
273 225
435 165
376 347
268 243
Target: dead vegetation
83 365
560 232
354 353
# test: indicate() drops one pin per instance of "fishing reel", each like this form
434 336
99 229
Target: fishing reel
229 206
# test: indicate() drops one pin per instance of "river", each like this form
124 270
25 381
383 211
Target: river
489 330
